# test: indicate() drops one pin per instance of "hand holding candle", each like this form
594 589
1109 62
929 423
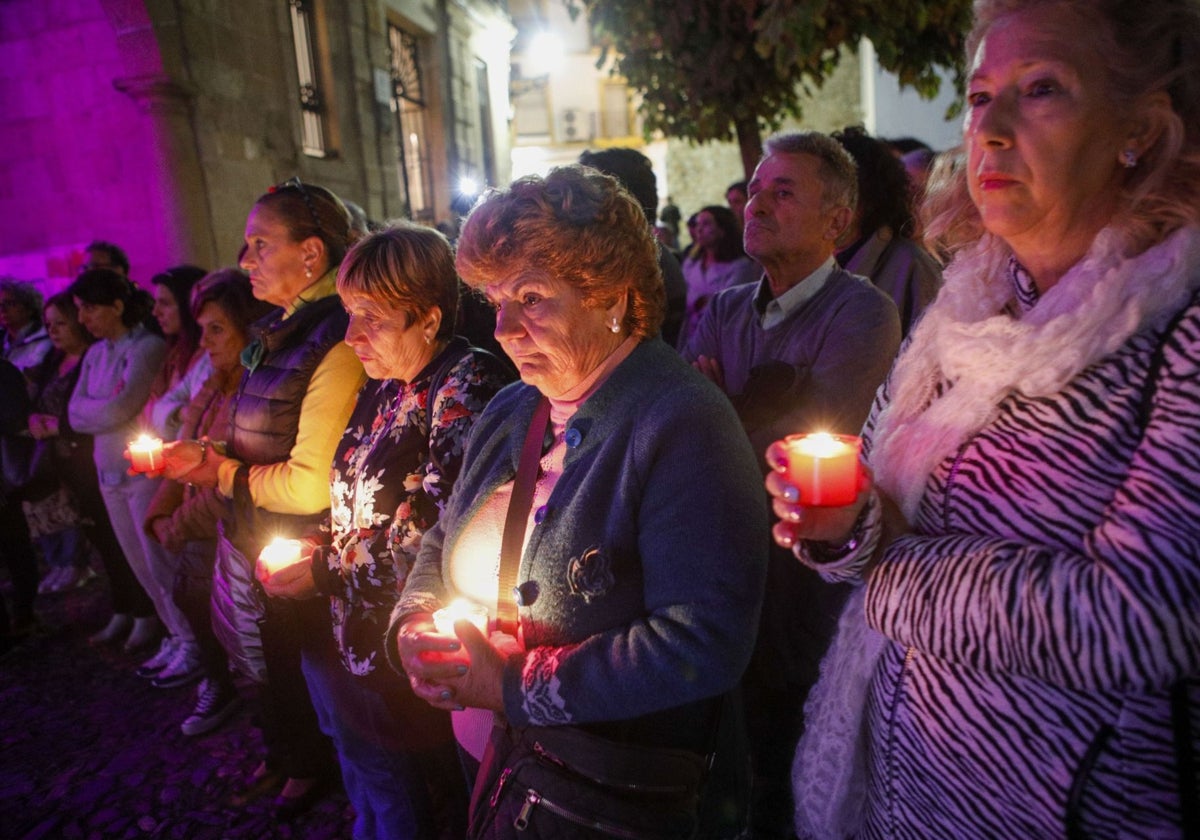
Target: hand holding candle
460 608
146 454
824 468
279 554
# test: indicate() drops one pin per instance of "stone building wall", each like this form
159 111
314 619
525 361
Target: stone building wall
156 124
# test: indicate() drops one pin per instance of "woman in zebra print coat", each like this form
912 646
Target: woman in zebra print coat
1030 543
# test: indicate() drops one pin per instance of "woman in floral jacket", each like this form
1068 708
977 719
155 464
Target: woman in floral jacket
391 475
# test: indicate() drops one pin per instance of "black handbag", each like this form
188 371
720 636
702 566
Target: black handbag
563 782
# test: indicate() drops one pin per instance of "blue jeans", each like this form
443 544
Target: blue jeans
403 783
63 548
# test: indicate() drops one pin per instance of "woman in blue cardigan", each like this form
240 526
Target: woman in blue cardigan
638 588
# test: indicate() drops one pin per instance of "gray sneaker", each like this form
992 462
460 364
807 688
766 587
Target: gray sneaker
215 703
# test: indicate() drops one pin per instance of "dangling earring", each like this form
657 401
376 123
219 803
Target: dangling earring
1129 159
308 271
615 325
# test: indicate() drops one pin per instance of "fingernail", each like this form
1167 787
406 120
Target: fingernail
794 515
462 669
453 646
460 708
790 494
445 695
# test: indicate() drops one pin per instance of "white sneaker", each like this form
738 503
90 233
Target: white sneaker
52 582
158 661
66 579
184 667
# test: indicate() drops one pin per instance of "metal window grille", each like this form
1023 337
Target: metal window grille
412 116
312 109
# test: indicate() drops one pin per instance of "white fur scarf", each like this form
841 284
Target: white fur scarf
967 339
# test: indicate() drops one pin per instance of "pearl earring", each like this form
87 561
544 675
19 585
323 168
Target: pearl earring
1129 159
615 325
308 271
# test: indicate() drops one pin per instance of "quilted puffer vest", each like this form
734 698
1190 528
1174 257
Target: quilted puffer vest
266 415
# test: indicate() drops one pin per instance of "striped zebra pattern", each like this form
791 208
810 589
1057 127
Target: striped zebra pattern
1039 615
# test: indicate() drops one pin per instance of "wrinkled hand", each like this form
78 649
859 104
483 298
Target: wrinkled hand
294 581
181 462
711 369
164 534
454 673
798 521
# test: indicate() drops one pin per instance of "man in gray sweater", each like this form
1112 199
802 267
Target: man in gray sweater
801 350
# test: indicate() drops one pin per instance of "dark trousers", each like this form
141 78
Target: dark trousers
193 595
295 745
800 616
128 596
398 756
16 549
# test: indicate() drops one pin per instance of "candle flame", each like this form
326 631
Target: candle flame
821 445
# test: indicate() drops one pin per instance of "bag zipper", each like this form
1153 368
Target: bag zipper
533 799
546 755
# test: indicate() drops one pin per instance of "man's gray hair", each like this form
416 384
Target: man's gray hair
838 173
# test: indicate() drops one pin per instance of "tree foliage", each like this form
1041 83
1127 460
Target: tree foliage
731 69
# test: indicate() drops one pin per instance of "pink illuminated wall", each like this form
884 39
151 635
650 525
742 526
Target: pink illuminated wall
77 155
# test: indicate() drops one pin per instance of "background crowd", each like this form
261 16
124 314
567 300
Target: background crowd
997 637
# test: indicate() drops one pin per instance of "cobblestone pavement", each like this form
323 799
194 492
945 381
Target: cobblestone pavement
89 750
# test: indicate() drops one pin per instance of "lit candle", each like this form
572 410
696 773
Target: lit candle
279 554
824 468
460 608
146 454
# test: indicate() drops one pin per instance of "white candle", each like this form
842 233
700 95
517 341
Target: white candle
460 608
279 554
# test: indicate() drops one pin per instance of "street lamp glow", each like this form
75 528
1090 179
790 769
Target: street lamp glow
545 53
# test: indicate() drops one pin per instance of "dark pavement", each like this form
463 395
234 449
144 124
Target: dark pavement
89 750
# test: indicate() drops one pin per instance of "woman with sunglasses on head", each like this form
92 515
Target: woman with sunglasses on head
288 416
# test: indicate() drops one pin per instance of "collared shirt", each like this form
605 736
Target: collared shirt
773 310
27 347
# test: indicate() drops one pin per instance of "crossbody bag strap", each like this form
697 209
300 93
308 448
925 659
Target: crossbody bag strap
517 518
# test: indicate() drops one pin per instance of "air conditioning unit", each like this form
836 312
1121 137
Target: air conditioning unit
576 125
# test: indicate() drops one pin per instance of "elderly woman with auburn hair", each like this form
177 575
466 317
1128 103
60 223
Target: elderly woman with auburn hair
616 488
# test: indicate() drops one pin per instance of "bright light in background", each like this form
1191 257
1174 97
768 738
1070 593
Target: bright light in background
468 186
545 53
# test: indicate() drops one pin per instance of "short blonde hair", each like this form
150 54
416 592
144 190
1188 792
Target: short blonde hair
576 225
1148 46
405 266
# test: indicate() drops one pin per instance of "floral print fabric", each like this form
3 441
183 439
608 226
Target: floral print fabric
390 479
